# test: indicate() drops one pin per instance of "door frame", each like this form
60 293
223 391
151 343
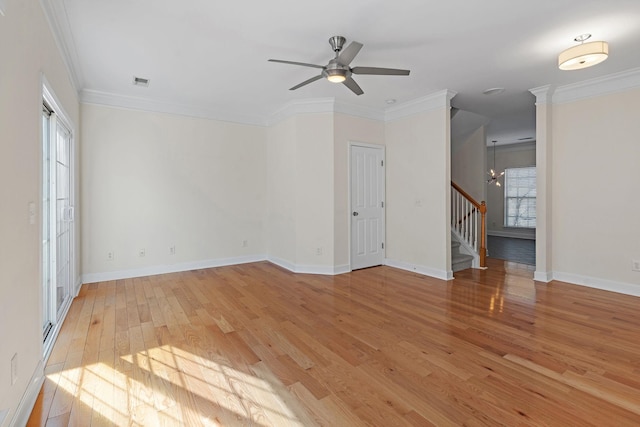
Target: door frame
61 116
382 148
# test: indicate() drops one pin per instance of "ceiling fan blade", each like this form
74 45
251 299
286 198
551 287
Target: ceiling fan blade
380 71
348 53
304 64
306 82
351 84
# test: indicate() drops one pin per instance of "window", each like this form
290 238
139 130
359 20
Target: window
520 197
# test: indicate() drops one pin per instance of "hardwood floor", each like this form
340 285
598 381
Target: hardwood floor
257 345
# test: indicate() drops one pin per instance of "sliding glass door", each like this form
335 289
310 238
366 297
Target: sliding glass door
57 221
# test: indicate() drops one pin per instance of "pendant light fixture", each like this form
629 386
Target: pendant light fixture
583 55
493 174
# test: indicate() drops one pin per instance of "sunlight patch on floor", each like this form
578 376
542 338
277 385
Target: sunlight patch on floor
169 386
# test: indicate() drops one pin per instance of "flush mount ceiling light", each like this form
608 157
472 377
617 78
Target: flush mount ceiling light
493 91
583 55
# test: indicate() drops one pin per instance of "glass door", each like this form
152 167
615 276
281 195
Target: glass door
57 222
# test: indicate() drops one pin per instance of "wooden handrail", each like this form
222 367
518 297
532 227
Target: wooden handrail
482 207
466 195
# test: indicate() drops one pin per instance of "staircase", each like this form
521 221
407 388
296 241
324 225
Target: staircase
459 260
468 229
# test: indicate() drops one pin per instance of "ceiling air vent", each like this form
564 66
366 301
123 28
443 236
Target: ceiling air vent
525 139
139 81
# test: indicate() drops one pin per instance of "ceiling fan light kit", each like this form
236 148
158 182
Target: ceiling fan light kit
583 55
338 70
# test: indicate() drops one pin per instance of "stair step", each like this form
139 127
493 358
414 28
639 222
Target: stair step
461 261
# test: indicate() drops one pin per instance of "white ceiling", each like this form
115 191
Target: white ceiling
212 55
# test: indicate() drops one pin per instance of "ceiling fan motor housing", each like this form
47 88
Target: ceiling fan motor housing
334 68
337 42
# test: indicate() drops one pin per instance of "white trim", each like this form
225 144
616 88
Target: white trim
172 268
513 234
55 329
146 104
61 30
543 94
29 397
322 105
78 286
301 106
542 276
309 269
597 283
383 148
420 269
359 111
599 86
423 104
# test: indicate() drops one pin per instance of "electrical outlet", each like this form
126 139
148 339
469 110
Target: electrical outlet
318 251
110 256
245 243
172 250
14 369
142 252
635 265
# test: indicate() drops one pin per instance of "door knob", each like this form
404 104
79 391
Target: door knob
355 214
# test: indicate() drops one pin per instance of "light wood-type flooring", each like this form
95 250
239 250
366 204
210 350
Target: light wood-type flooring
256 345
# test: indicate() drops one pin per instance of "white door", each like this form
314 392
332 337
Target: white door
367 206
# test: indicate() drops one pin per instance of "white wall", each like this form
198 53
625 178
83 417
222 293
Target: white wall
300 193
595 177
281 191
418 192
314 192
507 156
153 181
468 162
348 129
27 51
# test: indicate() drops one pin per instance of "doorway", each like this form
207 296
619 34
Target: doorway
57 218
367 194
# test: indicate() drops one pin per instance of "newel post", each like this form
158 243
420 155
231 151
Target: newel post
483 233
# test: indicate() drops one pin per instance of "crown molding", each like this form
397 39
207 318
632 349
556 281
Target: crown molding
145 104
599 86
56 17
543 94
359 111
441 99
323 105
301 106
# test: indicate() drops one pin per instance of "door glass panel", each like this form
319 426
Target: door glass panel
63 223
46 221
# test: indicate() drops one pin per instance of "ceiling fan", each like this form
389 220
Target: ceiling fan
338 70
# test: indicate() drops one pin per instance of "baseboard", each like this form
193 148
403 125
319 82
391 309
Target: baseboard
597 283
511 234
78 286
29 397
171 268
426 271
329 270
542 276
